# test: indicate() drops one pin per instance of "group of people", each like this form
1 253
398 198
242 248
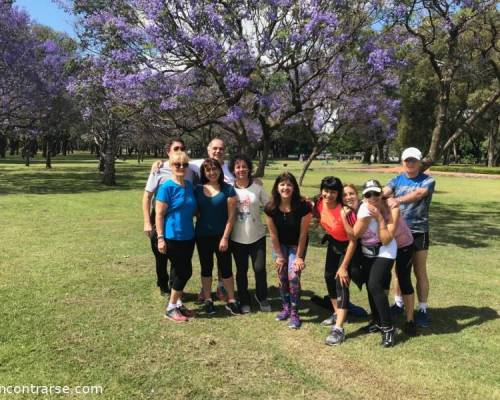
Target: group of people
366 237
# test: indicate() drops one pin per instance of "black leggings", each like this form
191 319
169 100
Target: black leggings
403 268
207 246
334 256
180 252
162 279
257 252
378 272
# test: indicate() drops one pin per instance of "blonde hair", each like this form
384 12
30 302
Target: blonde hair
178 156
352 186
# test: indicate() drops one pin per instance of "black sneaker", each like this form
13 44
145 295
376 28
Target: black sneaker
233 308
410 328
335 337
209 307
396 310
372 327
388 337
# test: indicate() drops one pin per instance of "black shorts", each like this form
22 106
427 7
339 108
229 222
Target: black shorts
421 240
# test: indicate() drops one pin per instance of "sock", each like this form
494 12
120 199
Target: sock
338 328
422 307
399 301
221 284
179 303
171 306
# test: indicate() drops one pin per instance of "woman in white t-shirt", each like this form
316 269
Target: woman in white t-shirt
379 252
248 238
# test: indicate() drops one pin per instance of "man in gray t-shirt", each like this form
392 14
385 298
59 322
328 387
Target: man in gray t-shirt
155 179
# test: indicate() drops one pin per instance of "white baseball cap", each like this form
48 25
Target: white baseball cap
411 152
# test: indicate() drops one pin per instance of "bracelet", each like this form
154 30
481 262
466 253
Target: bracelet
161 237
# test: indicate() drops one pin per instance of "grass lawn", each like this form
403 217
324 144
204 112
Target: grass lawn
79 304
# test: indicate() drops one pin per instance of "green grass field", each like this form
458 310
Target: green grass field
79 305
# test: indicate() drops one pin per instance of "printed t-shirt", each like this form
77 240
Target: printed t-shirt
213 210
331 221
181 207
370 238
288 224
248 227
416 214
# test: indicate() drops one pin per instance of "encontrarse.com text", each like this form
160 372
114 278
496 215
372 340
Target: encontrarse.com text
52 389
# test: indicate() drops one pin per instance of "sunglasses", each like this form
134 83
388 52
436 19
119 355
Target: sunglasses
178 148
370 194
179 165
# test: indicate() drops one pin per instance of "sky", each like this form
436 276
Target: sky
47 12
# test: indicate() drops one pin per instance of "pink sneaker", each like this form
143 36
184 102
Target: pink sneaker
175 315
186 311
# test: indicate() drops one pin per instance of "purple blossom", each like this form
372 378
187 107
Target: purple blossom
235 82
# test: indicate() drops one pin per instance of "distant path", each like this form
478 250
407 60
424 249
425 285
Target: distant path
399 169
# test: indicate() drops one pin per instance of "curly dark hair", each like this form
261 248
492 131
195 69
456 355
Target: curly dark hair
333 183
210 163
275 200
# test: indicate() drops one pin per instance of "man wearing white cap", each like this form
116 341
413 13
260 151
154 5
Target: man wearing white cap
413 191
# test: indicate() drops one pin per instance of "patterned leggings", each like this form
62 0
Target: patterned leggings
289 279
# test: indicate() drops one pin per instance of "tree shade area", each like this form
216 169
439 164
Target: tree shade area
275 79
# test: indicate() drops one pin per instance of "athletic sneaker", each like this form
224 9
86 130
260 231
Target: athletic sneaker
264 304
422 319
233 308
331 320
356 311
372 327
335 337
186 311
164 292
396 310
245 309
284 314
175 315
221 293
388 337
294 322
410 328
209 307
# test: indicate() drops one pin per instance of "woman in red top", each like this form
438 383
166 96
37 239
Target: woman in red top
332 217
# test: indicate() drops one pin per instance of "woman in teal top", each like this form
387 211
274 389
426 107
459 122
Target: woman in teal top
217 209
175 207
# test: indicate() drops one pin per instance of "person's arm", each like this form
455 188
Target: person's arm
342 272
384 226
155 168
347 227
387 191
393 227
275 244
361 226
231 212
161 210
146 207
416 195
301 248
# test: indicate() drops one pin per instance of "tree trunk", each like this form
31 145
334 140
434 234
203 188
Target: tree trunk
266 141
367 156
48 154
492 142
108 177
3 146
317 149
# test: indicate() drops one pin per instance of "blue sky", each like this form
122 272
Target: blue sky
46 12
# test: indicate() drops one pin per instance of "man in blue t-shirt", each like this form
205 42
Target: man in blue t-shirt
413 190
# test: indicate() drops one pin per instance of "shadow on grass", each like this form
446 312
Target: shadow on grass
69 180
463 227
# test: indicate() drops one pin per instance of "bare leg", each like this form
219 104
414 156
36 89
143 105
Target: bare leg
229 286
420 270
206 282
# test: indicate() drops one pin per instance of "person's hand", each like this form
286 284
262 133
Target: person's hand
162 246
148 229
374 211
223 244
343 275
299 264
279 263
155 168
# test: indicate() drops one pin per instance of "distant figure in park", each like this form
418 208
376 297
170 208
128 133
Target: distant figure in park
175 208
413 190
216 201
248 239
160 173
288 216
379 252
341 248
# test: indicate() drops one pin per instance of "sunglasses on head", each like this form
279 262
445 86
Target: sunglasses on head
370 194
178 165
178 148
